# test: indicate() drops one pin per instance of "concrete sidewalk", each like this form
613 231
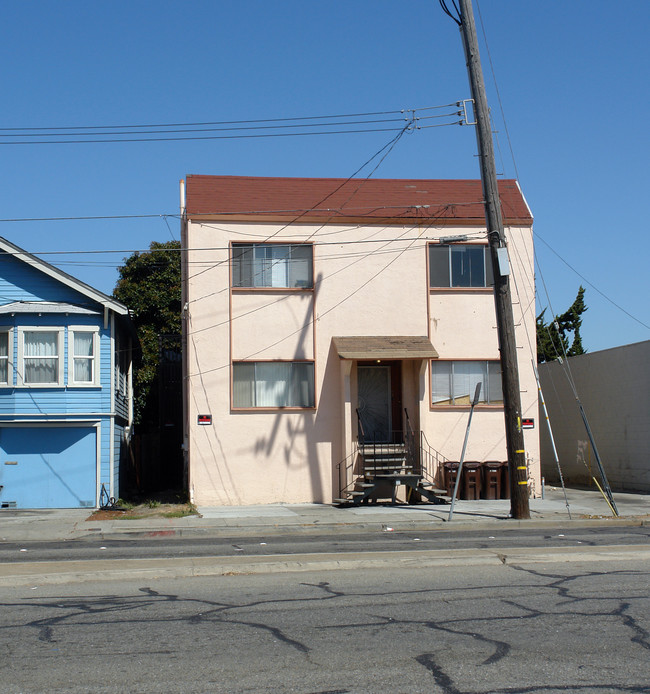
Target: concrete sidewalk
587 508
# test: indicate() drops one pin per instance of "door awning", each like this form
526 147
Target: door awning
385 347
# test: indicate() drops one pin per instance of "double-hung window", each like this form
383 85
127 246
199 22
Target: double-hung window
6 348
459 265
272 265
40 356
454 382
82 356
273 384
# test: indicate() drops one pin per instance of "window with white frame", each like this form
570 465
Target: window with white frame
272 265
82 356
6 348
459 265
454 382
121 366
273 384
40 356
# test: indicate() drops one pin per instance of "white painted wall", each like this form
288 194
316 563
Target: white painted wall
614 388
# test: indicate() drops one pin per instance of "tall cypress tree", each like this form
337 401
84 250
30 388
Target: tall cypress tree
553 337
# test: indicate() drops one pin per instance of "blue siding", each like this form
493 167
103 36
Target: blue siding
121 452
57 467
22 282
59 400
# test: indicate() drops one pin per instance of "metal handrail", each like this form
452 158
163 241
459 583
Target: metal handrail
431 458
348 479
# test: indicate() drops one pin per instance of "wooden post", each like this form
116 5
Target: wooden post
503 302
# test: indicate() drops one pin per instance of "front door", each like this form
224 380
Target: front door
374 389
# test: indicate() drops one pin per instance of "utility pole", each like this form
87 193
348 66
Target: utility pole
502 298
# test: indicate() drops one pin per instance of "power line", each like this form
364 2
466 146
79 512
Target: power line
414 120
593 286
315 125
232 122
87 218
204 137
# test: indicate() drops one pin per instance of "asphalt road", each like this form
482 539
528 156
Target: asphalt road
344 542
552 627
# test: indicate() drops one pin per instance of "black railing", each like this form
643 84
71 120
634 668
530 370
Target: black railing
405 452
411 448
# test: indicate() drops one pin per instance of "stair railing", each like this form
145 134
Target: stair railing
411 449
432 462
346 474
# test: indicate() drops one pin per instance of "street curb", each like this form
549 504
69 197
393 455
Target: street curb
111 529
35 574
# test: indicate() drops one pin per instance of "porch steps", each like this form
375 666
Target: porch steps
381 475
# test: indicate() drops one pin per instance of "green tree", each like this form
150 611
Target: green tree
553 337
150 285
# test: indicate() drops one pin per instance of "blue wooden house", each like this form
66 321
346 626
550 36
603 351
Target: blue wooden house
66 408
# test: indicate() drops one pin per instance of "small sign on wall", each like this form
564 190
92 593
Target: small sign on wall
528 423
205 419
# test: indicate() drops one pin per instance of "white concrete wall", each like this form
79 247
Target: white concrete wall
378 286
614 388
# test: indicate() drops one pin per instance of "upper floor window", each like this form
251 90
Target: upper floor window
273 384
276 265
40 356
460 265
82 356
5 360
454 382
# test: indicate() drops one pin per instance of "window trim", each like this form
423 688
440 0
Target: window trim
60 333
121 377
94 383
9 332
242 288
271 408
482 404
486 264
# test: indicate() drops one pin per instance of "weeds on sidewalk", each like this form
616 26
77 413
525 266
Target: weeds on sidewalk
162 505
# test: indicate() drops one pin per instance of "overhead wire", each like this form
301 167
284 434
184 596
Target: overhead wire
233 122
591 284
388 147
313 320
316 125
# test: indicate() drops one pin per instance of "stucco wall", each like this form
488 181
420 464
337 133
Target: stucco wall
614 388
375 286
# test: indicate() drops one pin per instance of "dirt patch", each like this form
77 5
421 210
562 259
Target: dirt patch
144 511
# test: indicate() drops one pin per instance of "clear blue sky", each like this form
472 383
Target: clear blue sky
572 78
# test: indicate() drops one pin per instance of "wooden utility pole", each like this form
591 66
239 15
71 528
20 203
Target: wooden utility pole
502 298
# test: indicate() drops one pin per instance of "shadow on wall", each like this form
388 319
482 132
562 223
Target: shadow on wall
304 431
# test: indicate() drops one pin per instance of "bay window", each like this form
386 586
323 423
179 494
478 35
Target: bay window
272 265
454 382
273 384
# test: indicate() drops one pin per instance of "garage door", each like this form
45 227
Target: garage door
48 467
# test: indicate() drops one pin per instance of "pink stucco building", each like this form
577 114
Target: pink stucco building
325 315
